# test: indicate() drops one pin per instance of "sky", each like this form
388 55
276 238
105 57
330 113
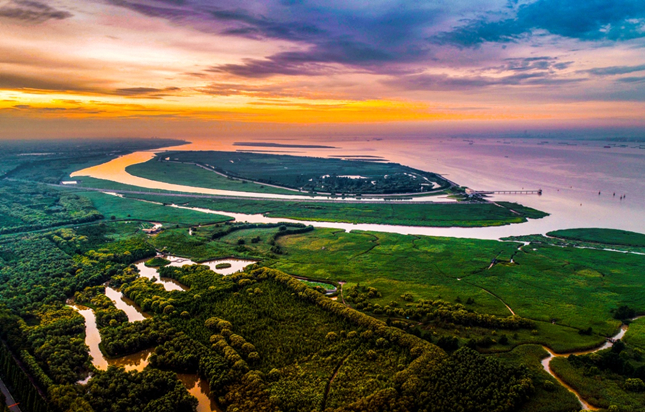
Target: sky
184 68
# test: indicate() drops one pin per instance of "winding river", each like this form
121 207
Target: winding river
136 361
236 265
569 177
546 362
195 385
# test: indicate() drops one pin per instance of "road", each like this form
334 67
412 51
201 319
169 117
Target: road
13 406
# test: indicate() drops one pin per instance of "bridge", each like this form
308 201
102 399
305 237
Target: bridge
503 192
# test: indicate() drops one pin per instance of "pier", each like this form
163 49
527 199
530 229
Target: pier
503 192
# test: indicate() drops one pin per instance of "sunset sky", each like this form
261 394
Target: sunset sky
181 68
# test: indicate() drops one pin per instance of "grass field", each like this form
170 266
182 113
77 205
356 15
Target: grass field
549 283
121 208
192 175
425 214
316 174
576 288
635 335
604 236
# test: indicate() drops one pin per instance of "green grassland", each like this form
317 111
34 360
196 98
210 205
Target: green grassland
635 336
315 174
561 242
573 287
192 175
576 288
123 209
423 214
603 236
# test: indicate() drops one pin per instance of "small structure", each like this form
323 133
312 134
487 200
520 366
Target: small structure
153 230
69 182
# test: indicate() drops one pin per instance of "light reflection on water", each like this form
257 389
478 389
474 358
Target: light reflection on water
131 309
198 387
136 361
237 265
570 176
115 170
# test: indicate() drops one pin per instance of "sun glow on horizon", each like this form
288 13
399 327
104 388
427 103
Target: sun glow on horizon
145 61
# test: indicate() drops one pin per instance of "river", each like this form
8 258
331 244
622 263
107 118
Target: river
546 362
236 265
197 386
578 179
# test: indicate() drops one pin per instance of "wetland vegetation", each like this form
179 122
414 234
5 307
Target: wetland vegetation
418 323
308 174
390 213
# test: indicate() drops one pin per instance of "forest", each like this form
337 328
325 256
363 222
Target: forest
324 320
255 336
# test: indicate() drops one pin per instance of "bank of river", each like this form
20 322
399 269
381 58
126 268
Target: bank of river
131 309
114 170
136 361
236 265
197 386
571 178
495 232
546 362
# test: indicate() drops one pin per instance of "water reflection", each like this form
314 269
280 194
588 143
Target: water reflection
236 265
198 387
569 174
540 226
152 274
136 361
92 336
131 309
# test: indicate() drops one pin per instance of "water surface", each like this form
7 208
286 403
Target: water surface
570 175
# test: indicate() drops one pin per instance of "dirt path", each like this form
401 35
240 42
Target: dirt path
331 380
490 293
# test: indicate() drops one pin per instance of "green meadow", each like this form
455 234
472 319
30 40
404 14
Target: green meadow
193 175
571 287
564 290
605 236
314 173
122 209
391 213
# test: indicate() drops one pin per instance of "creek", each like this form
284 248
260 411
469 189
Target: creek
236 265
546 362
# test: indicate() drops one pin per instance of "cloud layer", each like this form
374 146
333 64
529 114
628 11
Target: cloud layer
191 57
